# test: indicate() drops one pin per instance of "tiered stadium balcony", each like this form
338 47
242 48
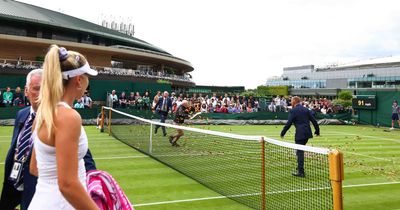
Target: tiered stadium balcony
14 64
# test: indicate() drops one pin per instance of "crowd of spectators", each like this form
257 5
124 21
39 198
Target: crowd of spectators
142 73
19 64
85 102
135 100
320 105
14 97
216 104
198 103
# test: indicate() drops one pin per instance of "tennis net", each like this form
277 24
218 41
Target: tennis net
253 170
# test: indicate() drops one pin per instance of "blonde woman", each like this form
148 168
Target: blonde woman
60 142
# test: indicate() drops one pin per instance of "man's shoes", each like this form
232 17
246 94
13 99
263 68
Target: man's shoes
391 128
164 134
155 131
171 138
298 174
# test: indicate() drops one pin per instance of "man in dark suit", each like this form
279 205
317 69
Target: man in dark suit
301 118
19 185
163 107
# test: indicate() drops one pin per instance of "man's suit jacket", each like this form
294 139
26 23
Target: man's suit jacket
301 118
30 181
159 104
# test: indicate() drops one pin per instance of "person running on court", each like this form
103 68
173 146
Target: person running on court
181 114
300 117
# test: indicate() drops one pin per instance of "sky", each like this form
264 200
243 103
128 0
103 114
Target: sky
242 43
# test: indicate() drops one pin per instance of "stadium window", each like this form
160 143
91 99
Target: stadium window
10 30
96 40
47 34
31 32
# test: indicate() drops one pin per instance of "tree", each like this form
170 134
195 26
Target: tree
344 99
345 95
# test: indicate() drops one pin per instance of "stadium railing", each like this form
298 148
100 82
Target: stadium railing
29 65
252 170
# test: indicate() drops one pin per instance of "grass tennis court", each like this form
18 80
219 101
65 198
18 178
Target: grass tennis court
372 171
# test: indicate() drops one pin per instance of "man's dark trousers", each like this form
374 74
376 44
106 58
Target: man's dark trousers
163 117
300 156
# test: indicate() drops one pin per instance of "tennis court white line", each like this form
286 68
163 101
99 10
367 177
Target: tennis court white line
372 137
242 195
378 158
371 184
178 201
121 157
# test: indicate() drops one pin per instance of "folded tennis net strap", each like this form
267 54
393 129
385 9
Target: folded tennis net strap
252 170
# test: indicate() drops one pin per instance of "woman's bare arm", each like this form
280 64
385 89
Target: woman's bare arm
33 165
68 128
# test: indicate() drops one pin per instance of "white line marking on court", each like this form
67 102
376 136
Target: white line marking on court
121 157
102 137
252 194
378 158
178 201
366 136
371 184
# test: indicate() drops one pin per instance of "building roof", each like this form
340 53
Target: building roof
372 61
19 11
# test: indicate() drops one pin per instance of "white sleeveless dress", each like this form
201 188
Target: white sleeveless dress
48 195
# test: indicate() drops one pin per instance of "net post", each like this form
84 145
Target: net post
102 119
263 184
151 138
336 176
109 122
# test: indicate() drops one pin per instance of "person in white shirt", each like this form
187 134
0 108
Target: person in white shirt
87 101
226 101
114 99
323 110
272 107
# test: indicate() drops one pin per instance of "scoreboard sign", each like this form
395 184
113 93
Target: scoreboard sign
364 102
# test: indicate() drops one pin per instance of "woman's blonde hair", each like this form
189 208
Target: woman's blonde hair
56 61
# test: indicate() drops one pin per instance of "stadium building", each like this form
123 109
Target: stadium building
125 63
308 80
